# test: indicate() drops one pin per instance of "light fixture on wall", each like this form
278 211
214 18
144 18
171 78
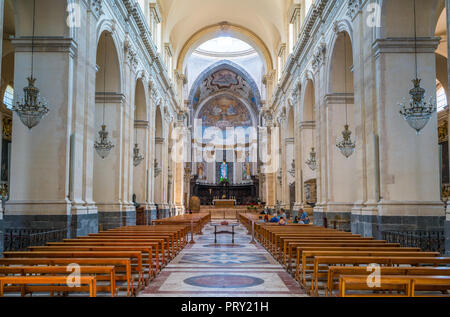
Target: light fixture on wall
137 158
346 145
103 146
417 112
32 107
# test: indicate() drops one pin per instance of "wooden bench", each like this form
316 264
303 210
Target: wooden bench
102 273
334 272
26 280
121 266
146 249
409 284
316 274
329 261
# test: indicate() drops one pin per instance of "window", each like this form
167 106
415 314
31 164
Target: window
225 44
8 97
441 98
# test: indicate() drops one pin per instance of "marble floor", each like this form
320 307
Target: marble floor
209 269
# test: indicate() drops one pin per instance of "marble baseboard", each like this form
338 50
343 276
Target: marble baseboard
373 225
113 219
163 213
447 237
78 224
1 236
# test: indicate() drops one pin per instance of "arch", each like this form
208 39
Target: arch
140 102
290 123
219 94
159 129
335 84
397 25
224 28
228 65
308 111
106 47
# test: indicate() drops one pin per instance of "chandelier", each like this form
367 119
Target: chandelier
103 146
137 158
292 170
157 168
32 107
417 112
346 145
312 162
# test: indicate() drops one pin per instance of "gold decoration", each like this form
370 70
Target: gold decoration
7 128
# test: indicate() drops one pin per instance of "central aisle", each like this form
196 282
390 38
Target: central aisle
207 269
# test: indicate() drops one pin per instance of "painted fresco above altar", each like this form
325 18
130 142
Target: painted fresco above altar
224 112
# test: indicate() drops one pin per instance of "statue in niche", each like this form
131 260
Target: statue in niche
223 172
246 171
200 171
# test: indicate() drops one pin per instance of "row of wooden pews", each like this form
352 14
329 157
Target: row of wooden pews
122 259
326 259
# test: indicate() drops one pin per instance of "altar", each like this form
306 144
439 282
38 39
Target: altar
224 203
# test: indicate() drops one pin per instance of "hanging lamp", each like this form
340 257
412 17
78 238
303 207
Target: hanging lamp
346 145
312 161
32 107
137 158
103 145
417 112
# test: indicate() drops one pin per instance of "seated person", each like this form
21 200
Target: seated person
295 219
283 214
282 222
304 219
266 218
274 219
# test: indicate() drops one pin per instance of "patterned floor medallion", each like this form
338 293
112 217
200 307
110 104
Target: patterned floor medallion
223 269
224 281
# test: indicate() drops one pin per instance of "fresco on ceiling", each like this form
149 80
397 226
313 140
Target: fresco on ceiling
224 112
224 80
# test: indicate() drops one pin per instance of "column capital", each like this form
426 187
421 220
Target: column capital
405 45
45 44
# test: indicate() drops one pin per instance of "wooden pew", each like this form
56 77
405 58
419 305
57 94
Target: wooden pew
26 280
316 274
328 261
334 272
102 273
146 249
158 247
292 246
392 282
120 264
134 256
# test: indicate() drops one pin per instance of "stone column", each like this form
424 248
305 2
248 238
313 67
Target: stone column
40 185
2 4
306 140
447 218
409 171
340 172
113 206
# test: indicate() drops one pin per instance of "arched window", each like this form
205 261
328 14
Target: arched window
8 97
441 98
